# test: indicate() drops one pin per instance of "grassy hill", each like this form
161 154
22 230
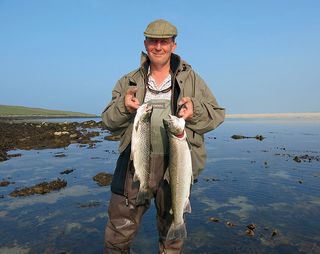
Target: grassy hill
7 111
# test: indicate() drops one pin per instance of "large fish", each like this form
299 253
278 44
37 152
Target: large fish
179 175
140 151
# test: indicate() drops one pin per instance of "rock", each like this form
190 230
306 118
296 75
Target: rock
59 155
297 159
3 155
67 171
73 136
213 219
251 226
230 224
60 133
250 232
103 179
306 158
26 136
41 188
238 137
258 137
4 183
112 138
14 155
274 233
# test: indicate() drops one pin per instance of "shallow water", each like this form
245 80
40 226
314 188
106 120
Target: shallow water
245 181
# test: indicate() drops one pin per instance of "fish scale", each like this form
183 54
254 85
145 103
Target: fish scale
140 151
179 175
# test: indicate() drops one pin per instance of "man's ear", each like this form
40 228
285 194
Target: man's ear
174 47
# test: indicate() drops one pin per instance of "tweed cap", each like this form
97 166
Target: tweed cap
160 28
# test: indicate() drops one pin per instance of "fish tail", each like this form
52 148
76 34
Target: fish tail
142 196
177 231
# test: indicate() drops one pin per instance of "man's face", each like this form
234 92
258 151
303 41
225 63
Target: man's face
159 50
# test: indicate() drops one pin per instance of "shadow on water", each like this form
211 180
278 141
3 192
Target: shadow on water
252 197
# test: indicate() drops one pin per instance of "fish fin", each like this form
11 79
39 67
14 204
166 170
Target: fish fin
167 175
187 207
177 231
142 196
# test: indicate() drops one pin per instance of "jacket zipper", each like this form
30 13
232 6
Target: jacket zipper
126 194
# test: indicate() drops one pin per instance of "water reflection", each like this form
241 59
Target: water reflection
245 181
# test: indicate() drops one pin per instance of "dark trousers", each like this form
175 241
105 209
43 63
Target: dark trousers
125 216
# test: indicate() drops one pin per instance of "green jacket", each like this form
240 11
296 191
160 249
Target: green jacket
207 114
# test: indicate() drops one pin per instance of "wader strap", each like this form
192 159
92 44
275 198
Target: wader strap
159 138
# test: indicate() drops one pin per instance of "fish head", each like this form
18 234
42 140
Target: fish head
144 112
174 125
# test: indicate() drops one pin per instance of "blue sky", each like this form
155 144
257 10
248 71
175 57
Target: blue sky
256 56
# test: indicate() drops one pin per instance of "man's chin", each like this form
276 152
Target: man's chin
157 57
158 60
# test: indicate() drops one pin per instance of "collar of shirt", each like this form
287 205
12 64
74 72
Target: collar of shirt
153 85
166 84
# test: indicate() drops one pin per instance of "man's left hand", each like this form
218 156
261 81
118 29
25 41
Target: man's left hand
186 108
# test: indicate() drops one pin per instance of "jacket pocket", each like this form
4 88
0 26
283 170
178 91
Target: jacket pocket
120 172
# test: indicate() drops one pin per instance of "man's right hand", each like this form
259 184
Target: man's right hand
130 101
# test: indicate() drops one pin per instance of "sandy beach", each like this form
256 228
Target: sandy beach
306 115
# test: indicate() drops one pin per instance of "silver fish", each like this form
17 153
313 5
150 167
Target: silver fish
179 175
140 151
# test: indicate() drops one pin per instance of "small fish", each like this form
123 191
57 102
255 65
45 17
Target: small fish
179 175
140 151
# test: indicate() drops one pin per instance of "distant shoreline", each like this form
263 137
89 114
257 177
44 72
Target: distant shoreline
10 112
307 115
30 117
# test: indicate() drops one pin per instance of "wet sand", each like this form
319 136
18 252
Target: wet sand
308 115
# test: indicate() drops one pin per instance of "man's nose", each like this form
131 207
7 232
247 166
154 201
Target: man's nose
158 45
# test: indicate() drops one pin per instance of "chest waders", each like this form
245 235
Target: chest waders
159 141
123 213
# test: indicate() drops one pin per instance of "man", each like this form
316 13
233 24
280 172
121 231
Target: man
170 85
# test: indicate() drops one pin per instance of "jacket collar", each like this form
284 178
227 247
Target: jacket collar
175 63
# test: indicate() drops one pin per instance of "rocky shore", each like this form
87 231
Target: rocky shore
33 135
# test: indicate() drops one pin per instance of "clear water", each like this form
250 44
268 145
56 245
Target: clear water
245 181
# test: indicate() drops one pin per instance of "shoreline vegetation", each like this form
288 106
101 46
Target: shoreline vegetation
20 112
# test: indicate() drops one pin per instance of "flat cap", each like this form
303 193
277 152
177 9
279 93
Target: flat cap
160 28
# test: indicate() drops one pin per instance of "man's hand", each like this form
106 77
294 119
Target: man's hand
130 101
186 108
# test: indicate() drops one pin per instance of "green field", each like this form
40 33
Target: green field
20 111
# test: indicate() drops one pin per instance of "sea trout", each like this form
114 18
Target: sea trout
179 175
140 151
